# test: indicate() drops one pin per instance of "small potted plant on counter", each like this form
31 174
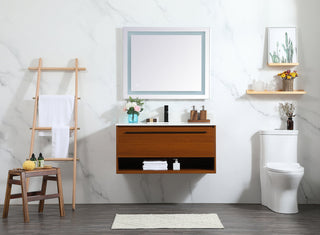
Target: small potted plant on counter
133 108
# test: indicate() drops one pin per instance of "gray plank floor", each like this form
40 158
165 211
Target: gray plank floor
97 219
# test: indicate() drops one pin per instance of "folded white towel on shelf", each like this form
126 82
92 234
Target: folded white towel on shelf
60 141
155 165
56 111
155 168
155 162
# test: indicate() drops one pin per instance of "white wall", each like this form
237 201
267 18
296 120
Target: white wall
308 116
59 31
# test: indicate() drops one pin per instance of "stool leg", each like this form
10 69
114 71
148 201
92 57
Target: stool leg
27 184
24 197
43 192
59 186
7 198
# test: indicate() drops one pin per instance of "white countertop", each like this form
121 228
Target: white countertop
167 124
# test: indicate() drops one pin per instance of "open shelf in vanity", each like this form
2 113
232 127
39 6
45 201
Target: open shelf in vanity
194 145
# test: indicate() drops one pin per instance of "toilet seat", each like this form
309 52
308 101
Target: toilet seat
284 167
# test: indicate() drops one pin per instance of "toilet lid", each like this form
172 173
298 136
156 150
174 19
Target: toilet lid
284 167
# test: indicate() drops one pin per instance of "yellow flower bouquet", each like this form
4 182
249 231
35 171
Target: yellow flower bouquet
288 74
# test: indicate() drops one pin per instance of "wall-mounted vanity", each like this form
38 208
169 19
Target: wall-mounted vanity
194 145
166 63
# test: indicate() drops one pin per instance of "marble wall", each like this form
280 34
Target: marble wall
60 30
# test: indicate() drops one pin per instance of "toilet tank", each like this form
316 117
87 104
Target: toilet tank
278 146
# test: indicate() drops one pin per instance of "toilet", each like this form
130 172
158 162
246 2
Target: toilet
280 173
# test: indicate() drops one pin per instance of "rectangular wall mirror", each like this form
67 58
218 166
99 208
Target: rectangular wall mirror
166 63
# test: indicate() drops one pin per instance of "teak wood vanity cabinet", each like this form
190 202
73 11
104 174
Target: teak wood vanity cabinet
193 145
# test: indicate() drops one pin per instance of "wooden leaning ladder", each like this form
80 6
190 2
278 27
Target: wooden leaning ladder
76 69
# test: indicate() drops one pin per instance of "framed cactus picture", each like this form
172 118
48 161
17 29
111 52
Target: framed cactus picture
282 46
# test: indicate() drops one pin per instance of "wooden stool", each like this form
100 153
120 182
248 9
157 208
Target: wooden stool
47 174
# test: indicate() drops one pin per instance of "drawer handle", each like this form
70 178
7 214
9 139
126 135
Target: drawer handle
165 132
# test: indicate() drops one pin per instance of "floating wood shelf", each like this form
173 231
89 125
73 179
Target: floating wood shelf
295 92
282 64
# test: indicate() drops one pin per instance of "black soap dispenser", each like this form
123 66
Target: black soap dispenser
166 113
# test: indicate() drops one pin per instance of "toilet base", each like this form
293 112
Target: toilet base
284 210
282 192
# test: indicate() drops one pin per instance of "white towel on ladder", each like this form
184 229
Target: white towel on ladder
56 111
60 141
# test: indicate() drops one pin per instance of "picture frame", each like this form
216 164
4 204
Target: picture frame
282 46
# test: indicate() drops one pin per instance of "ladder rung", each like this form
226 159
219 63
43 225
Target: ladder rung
60 159
35 98
57 68
49 128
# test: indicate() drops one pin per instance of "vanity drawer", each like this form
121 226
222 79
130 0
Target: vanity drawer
165 141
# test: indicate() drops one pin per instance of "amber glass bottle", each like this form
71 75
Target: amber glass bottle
289 123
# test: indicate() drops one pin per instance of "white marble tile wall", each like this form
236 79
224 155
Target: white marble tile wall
60 30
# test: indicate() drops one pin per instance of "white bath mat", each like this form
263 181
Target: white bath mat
153 221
